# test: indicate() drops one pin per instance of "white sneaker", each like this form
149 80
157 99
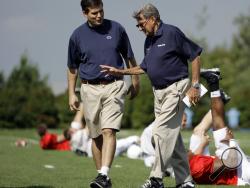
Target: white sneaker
188 184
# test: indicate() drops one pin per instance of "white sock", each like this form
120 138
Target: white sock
99 171
219 135
215 94
104 170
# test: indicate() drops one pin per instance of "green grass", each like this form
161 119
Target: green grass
25 167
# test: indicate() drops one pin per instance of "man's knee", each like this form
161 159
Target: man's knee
108 133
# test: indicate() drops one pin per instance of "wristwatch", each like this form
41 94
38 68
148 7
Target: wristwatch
196 85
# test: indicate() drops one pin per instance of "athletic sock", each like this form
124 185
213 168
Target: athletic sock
214 94
104 170
218 136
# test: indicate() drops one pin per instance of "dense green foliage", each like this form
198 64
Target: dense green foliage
235 69
26 99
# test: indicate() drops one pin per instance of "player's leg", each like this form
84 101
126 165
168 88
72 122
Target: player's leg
205 124
166 133
108 149
111 117
111 112
220 131
91 96
123 144
97 151
212 77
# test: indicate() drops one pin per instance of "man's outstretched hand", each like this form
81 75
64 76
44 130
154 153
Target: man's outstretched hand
109 70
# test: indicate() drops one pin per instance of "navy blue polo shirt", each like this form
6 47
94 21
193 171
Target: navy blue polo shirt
167 54
90 47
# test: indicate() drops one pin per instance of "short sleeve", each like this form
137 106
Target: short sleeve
125 46
143 65
73 55
186 47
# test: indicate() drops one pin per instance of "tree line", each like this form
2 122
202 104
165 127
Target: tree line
26 99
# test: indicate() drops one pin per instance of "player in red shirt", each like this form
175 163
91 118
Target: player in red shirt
202 165
52 141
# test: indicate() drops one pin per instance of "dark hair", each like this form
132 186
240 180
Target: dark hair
85 4
41 129
67 134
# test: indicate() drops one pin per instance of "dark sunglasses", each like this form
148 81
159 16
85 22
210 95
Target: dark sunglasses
142 25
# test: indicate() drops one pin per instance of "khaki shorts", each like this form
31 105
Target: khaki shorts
103 106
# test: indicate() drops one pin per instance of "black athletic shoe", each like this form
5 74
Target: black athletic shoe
101 181
211 75
225 97
152 183
188 184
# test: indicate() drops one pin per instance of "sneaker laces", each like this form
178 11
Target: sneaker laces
147 184
217 75
101 178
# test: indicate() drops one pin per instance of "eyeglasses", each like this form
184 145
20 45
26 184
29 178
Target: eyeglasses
142 25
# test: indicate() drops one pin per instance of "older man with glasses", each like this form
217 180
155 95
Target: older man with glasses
167 53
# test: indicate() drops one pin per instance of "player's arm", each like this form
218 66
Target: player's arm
203 144
79 116
194 92
73 100
118 72
60 138
190 154
135 87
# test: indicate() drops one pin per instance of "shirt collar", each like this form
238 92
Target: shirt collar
96 28
159 30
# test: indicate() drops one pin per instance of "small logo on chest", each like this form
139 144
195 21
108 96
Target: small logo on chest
161 45
108 37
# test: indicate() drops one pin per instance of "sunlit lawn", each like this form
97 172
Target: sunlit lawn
32 167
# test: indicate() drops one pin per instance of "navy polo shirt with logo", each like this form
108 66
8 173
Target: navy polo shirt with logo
90 47
167 54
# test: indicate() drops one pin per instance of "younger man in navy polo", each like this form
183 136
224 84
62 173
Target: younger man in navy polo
100 41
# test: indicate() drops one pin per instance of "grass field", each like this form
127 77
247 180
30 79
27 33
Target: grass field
32 167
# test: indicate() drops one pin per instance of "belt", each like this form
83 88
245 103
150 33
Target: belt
167 85
100 82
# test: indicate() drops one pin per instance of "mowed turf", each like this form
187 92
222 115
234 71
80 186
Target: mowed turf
32 167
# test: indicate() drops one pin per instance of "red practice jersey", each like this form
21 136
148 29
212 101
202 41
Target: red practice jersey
201 168
49 141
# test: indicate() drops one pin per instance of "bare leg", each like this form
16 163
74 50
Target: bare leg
109 145
123 144
97 144
218 113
